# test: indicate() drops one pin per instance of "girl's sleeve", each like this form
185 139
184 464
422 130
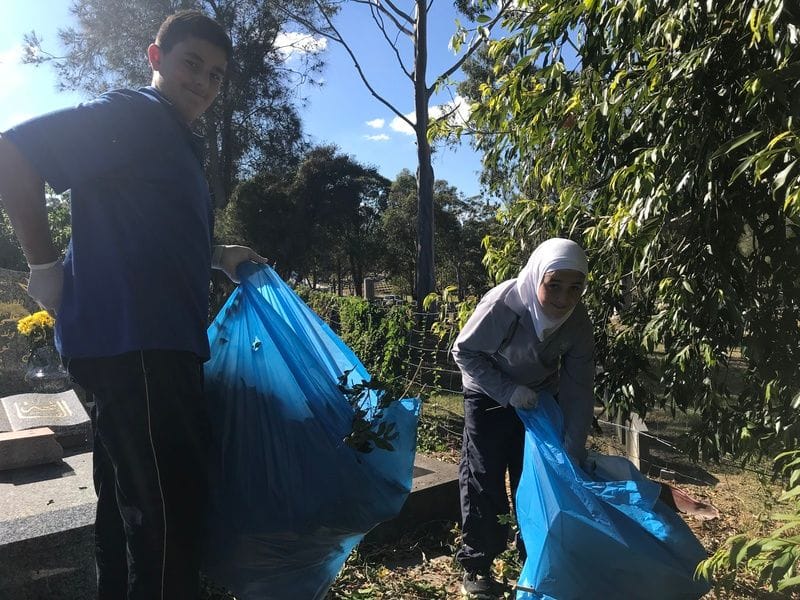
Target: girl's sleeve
481 337
576 391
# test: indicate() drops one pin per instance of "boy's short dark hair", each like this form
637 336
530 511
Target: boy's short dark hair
192 23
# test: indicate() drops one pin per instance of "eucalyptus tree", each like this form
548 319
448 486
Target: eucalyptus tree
460 225
394 22
662 134
252 127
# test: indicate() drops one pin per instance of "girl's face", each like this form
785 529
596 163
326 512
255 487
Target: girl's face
560 291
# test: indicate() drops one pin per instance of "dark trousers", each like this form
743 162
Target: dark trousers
493 444
151 439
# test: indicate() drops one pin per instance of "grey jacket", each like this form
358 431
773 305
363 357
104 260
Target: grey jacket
498 349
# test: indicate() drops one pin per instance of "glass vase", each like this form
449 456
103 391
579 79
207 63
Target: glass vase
45 372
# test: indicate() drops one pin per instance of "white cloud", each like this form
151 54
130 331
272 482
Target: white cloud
376 123
458 111
401 126
291 43
381 137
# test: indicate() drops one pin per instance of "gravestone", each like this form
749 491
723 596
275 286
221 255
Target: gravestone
637 447
62 412
28 448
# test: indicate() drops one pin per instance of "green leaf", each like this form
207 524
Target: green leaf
790 582
780 178
733 144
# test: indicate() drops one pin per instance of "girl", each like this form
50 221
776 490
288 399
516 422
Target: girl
527 334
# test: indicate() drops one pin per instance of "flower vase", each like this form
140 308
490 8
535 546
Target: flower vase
46 373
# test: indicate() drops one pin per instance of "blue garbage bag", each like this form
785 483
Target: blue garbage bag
601 536
290 499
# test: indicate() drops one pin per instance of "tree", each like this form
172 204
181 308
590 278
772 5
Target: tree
394 23
460 227
252 127
318 220
663 136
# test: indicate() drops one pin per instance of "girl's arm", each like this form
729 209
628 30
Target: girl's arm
481 337
576 391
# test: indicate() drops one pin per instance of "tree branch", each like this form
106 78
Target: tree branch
376 16
337 37
477 43
377 6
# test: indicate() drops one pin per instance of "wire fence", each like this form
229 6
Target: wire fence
430 373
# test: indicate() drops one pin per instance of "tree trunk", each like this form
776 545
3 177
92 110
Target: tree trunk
425 283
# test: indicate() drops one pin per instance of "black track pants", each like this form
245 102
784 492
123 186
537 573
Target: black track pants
493 443
151 439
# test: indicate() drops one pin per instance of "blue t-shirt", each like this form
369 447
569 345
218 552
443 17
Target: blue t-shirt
137 270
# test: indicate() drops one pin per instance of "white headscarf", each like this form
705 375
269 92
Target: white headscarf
553 255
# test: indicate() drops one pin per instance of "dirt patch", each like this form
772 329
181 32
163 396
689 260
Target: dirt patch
420 566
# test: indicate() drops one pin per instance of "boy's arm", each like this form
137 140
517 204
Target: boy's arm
22 196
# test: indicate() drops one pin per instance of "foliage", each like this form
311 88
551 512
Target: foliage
378 335
775 556
253 126
459 226
319 220
11 256
452 315
368 430
662 135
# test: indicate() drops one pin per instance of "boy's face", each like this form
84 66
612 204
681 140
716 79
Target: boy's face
189 75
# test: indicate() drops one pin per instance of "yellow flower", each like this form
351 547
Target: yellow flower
39 323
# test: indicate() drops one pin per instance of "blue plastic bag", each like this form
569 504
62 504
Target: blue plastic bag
289 499
596 537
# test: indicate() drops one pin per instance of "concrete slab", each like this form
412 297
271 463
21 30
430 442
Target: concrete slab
62 412
47 524
433 498
47 531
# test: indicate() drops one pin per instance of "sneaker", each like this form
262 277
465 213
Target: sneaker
479 586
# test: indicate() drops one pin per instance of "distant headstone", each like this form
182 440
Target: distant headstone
369 288
636 444
61 412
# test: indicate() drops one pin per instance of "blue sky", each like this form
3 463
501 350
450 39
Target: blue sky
341 112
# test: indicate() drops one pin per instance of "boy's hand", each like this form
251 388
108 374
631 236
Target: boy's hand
46 285
227 258
524 398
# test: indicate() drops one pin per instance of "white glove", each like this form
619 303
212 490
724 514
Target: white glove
524 398
227 258
46 285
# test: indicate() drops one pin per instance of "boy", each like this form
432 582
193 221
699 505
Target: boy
131 296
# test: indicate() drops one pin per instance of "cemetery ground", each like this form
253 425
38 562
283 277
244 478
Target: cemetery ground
420 564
